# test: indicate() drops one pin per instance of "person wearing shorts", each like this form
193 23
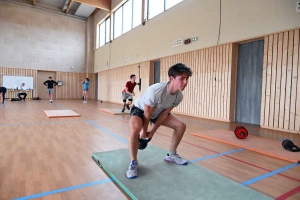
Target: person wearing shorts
50 87
155 106
85 89
128 92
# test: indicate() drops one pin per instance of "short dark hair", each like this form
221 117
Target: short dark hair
179 69
132 75
50 77
87 79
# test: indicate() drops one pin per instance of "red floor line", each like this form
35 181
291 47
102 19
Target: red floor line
289 193
206 149
235 159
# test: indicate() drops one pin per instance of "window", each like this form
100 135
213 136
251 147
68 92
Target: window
171 3
155 7
137 13
127 17
104 31
118 22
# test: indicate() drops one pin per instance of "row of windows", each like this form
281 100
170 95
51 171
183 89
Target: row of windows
129 15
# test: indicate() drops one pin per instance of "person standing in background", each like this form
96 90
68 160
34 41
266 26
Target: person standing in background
2 94
85 89
50 86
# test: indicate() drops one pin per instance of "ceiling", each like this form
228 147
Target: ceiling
77 8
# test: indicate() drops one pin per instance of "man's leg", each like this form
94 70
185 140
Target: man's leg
129 103
135 126
178 127
19 95
25 95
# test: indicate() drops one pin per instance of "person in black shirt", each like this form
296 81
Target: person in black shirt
50 86
2 94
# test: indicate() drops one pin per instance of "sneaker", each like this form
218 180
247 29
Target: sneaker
50 101
176 159
131 173
123 109
128 107
84 101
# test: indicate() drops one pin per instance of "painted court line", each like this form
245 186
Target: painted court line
227 156
253 180
107 131
216 155
289 193
64 189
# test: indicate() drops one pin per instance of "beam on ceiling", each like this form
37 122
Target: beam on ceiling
70 3
102 4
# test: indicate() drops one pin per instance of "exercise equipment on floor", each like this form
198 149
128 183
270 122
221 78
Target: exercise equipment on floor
241 132
289 145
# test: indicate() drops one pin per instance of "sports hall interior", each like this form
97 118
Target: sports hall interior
245 57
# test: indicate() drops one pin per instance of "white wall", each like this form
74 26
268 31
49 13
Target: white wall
241 20
41 40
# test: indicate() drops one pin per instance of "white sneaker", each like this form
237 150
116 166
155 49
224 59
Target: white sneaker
131 173
84 101
176 159
50 101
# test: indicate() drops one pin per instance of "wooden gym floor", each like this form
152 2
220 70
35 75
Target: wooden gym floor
50 158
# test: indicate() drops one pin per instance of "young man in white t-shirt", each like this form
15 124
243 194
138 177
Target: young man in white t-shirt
155 106
22 94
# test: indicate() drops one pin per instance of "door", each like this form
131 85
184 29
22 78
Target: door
42 91
249 82
157 72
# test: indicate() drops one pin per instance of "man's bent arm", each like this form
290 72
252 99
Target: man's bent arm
160 120
147 114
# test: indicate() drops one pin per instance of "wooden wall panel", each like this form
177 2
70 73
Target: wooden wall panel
280 87
112 82
72 87
208 92
19 72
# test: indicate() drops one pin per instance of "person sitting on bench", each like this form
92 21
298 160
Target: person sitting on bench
23 92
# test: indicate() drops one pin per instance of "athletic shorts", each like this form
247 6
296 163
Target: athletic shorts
50 90
135 111
86 89
126 96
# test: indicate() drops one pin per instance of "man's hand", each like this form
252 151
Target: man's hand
148 134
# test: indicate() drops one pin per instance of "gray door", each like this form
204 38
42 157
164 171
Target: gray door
249 82
157 72
96 85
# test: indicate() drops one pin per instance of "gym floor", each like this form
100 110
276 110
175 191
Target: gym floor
50 158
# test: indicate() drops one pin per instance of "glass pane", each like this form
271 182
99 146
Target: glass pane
118 23
127 16
170 3
102 34
107 30
137 13
155 7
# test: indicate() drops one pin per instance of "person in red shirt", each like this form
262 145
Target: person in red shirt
128 93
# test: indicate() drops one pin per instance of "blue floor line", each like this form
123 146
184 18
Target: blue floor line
63 189
216 155
253 180
107 131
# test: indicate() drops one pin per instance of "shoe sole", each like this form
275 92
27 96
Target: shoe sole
133 177
170 161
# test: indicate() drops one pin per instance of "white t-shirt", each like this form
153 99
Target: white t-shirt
158 95
23 88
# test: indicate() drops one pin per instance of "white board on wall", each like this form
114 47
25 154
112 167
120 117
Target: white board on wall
12 82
